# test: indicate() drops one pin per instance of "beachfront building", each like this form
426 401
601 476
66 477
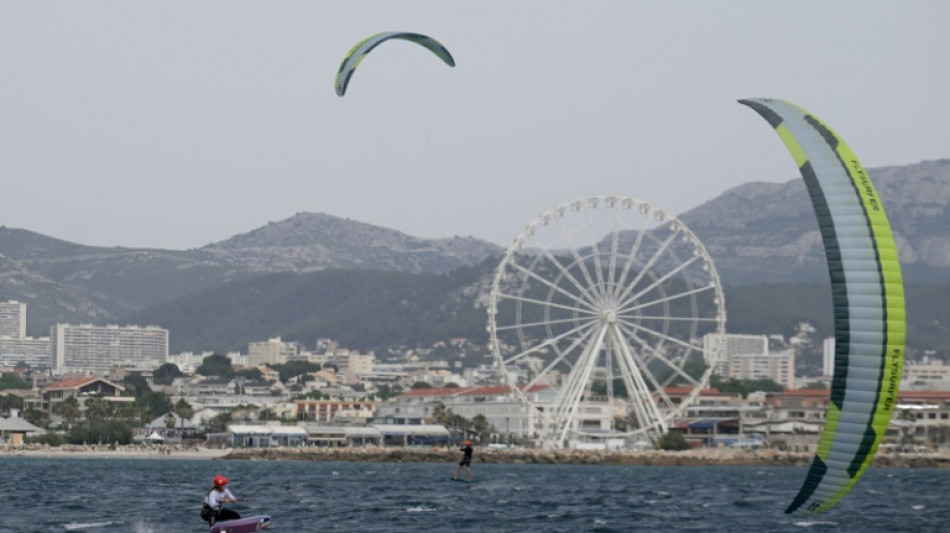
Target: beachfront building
96 349
82 389
327 411
502 410
14 429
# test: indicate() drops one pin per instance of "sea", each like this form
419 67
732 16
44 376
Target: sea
98 495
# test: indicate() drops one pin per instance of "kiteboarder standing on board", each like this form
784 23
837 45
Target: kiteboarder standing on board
213 508
466 461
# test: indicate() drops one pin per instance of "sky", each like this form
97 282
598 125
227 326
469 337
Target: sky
176 124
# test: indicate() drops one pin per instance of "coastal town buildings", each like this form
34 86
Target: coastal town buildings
273 351
96 349
748 357
15 346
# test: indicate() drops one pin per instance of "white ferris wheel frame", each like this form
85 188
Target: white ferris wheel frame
603 321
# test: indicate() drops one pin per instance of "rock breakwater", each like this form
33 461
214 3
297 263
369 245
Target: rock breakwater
703 457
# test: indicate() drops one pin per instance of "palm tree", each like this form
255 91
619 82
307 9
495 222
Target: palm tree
69 410
97 409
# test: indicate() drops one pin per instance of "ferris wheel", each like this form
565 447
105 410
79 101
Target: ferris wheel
596 317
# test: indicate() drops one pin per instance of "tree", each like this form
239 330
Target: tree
34 416
217 424
420 385
69 410
165 374
216 365
674 440
135 382
295 368
107 431
10 401
184 409
250 374
97 409
12 381
153 404
480 424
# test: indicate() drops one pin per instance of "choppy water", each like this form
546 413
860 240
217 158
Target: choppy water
141 495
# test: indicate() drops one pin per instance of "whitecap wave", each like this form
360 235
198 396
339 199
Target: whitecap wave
85 525
816 523
420 509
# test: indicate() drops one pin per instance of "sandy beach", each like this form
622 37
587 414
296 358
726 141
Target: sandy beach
121 452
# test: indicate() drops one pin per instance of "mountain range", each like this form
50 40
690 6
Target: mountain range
757 233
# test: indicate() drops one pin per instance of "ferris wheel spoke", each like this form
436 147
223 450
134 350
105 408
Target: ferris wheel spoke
655 354
581 264
640 327
564 271
549 342
577 297
561 356
545 303
666 318
659 281
614 252
527 325
648 265
595 252
632 254
642 365
669 298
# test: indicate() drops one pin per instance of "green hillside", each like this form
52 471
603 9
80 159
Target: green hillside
377 310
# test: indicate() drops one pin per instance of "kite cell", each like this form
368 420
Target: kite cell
353 58
868 296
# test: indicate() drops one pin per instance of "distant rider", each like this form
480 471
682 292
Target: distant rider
213 509
466 461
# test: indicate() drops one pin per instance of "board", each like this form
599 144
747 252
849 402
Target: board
242 525
459 479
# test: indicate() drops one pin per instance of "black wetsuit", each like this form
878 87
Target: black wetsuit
467 458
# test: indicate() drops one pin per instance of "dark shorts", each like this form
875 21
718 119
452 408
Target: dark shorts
465 462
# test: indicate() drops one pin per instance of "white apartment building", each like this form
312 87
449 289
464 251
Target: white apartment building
96 349
270 352
779 367
34 352
732 344
926 374
828 357
13 319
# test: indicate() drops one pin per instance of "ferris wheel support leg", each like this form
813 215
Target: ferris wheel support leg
641 392
571 394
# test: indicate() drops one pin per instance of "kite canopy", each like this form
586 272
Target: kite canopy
353 58
868 296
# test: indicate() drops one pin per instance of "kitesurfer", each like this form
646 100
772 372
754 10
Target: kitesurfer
466 461
213 509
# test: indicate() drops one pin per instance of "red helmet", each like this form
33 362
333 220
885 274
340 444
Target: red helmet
220 481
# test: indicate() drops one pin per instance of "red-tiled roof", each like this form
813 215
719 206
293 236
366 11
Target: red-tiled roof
465 391
687 390
76 383
807 393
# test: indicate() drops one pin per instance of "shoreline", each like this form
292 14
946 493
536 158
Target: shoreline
699 457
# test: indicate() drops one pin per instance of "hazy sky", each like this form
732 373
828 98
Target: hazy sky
174 124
